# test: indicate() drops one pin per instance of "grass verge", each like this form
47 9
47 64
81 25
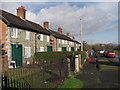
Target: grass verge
110 65
71 82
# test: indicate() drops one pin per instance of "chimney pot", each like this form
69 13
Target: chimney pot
73 38
68 34
46 24
21 12
59 30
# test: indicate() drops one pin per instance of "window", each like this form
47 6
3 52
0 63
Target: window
65 41
69 48
72 43
76 49
14 33
59 40
69 42
27 36
59 49
27 52
48 39
62 41
41 37
41 49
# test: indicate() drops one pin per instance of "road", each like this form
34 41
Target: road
107 77
116 59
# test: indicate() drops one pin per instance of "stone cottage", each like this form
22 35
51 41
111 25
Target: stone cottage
22 38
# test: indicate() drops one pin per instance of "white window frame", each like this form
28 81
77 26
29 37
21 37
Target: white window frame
69 49
14 33
58 40
59 49
76 49
66 41
63 41
41 37
48 38
28 52
69 42
72 43
27 35
42 49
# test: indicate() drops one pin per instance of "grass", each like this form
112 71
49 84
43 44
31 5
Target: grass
116 51
71 82
107 67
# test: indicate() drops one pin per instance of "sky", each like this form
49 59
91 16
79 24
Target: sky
99 19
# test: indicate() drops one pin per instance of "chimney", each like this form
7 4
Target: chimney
73 38
59 30
46 24
68 34
21 12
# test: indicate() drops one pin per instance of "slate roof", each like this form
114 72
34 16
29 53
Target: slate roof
15 21
61 36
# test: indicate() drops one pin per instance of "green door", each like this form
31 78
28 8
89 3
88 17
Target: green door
49 48
17 54
72 49
63 48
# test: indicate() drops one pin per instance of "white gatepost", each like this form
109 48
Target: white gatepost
80 61
77 69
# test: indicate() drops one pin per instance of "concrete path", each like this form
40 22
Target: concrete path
98 79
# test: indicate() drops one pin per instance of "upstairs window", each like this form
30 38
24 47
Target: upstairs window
27 35
59 40
41 37
48 39
14 33
65 41
62 41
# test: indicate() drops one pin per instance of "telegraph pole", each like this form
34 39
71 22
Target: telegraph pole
81 40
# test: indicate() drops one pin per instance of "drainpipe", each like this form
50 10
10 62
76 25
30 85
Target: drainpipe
56 44
35 42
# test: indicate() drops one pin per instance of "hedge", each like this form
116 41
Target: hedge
52 56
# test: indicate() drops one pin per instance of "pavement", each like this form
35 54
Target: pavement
92 78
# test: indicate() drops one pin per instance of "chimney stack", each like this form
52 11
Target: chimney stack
21 12
46 25
68 34
59 30
73 38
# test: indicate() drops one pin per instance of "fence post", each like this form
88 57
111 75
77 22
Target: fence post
4 80
69 71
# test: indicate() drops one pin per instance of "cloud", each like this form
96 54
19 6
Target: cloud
96 17
9 6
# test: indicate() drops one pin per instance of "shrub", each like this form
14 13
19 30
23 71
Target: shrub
52 56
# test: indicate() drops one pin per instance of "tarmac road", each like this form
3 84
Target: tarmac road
99 79
116 59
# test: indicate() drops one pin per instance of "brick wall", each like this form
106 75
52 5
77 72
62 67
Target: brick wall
3 34
53 43
4 61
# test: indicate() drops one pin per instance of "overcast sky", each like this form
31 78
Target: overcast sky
100 19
